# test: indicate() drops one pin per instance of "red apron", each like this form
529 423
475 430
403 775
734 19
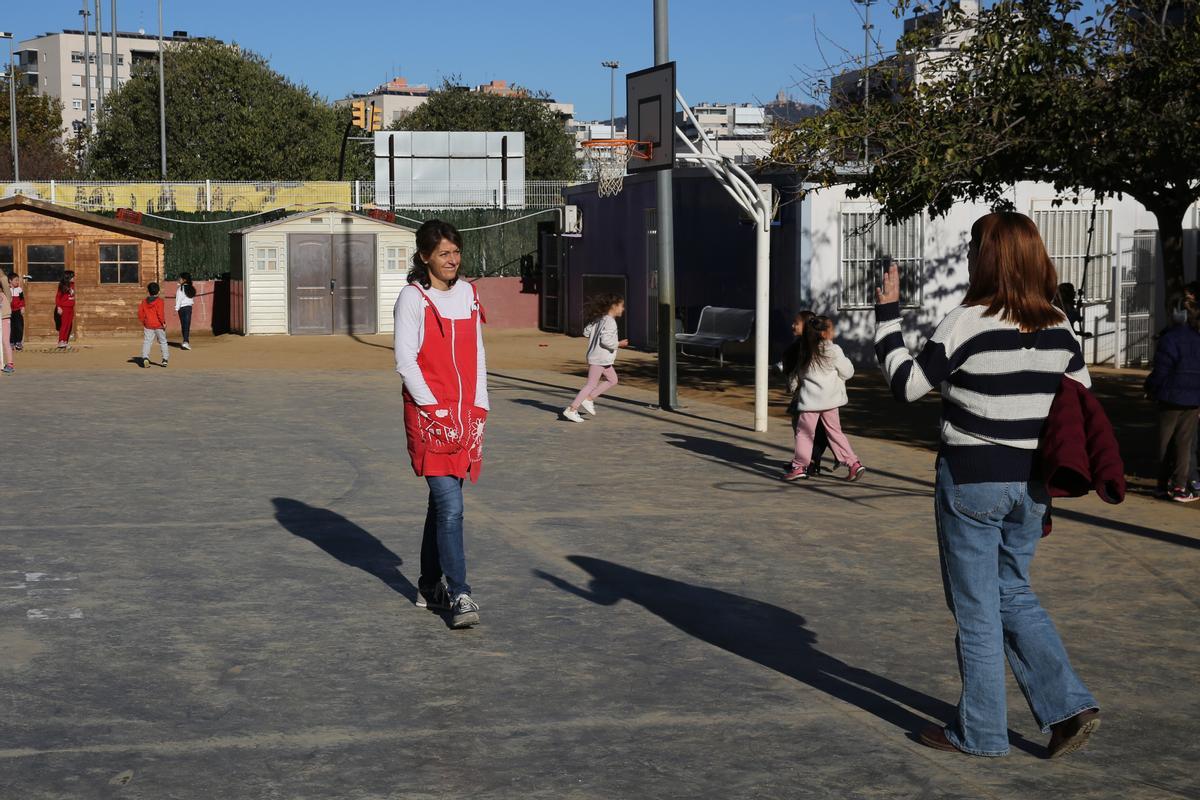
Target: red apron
447 438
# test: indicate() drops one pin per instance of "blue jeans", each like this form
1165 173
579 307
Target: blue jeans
442 550
987 533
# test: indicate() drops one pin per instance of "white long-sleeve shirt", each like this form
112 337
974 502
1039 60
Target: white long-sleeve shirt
454 303
181 298
823 385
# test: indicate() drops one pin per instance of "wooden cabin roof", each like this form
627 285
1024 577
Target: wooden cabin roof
20 201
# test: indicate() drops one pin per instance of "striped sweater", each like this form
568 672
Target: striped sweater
997 385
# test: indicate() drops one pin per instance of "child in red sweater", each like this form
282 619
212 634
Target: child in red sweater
154 325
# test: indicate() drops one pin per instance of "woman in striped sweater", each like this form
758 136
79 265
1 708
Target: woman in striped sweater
998 360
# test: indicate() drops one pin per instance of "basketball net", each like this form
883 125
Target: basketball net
606 159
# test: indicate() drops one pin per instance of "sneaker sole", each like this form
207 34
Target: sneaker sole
1080 739
791 478
465 620
1191 499
856 475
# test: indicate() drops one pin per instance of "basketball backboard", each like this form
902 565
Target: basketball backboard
650 111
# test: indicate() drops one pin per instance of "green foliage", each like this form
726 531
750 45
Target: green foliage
549 149
229 117
1108 103
39 135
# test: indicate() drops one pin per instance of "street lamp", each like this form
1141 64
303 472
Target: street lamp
612 96
12 104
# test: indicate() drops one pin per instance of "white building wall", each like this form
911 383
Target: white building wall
944 243
266 287
394 251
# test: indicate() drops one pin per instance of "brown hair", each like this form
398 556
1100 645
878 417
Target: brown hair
1013 275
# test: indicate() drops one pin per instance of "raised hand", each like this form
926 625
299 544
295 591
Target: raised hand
890 291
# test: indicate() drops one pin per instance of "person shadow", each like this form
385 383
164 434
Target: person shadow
345 541
765 634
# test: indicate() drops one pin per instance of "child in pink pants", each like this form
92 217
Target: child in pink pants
601 312
820 376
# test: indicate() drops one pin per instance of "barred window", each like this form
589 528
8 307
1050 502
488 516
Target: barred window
1065 233
869 245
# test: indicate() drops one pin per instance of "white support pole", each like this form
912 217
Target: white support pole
53 191
762 310
357 195
207 194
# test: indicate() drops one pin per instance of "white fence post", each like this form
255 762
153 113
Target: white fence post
207 195
358 195
53 191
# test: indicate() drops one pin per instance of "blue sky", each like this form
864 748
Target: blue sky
731 50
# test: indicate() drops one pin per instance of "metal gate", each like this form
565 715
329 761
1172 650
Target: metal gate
1137 265
550 258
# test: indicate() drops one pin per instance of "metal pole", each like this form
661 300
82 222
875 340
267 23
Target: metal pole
762 309
866 75
12 108
162 97
668 394
612 96
87 65
99 57
115 85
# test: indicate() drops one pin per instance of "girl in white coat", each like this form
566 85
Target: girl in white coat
601 312
819 384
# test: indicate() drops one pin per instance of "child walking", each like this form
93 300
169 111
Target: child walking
601 312
822 370
791 357
185 298
18 311
154 324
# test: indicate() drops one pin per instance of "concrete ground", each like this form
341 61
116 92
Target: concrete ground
206 590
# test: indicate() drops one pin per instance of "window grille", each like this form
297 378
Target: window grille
869 245
395 259
1065 234
266 259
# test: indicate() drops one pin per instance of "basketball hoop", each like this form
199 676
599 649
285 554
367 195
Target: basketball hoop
606 160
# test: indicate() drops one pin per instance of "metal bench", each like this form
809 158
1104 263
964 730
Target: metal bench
717 326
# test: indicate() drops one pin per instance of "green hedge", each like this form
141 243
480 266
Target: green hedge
203 249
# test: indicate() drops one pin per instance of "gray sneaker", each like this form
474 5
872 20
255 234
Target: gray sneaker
434 596
464 612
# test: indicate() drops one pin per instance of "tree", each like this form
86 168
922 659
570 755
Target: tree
39 135
229 117
1108 103
549 149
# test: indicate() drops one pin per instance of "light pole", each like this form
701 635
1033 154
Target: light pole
12 105
115 85
668 390
99 57
613 66
162 95
87 66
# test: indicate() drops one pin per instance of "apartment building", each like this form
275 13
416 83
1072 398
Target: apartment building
398 98
739 130
53 63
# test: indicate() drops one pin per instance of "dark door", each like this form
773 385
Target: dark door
354 302
310 283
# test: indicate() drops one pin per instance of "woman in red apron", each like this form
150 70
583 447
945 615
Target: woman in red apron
439 353
64 303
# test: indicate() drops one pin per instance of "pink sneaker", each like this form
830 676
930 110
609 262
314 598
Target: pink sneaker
796 474
856 471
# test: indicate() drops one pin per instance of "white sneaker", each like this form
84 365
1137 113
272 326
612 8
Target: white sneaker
571 415
187 346
589 407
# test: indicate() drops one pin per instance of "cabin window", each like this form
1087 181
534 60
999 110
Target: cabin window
266 259
45 262
119 263
395 259
6 258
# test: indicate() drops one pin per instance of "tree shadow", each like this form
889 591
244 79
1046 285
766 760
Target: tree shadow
764 634
345 541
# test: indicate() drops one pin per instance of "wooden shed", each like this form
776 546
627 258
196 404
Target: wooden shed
112 260
318 272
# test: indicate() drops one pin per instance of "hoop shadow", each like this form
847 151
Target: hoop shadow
765 634
345 541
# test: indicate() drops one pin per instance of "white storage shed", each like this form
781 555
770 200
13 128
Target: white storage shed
318 272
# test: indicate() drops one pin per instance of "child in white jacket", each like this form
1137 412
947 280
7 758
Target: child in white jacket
601 312
819 386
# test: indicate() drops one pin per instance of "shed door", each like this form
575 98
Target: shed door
310 289
354 302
